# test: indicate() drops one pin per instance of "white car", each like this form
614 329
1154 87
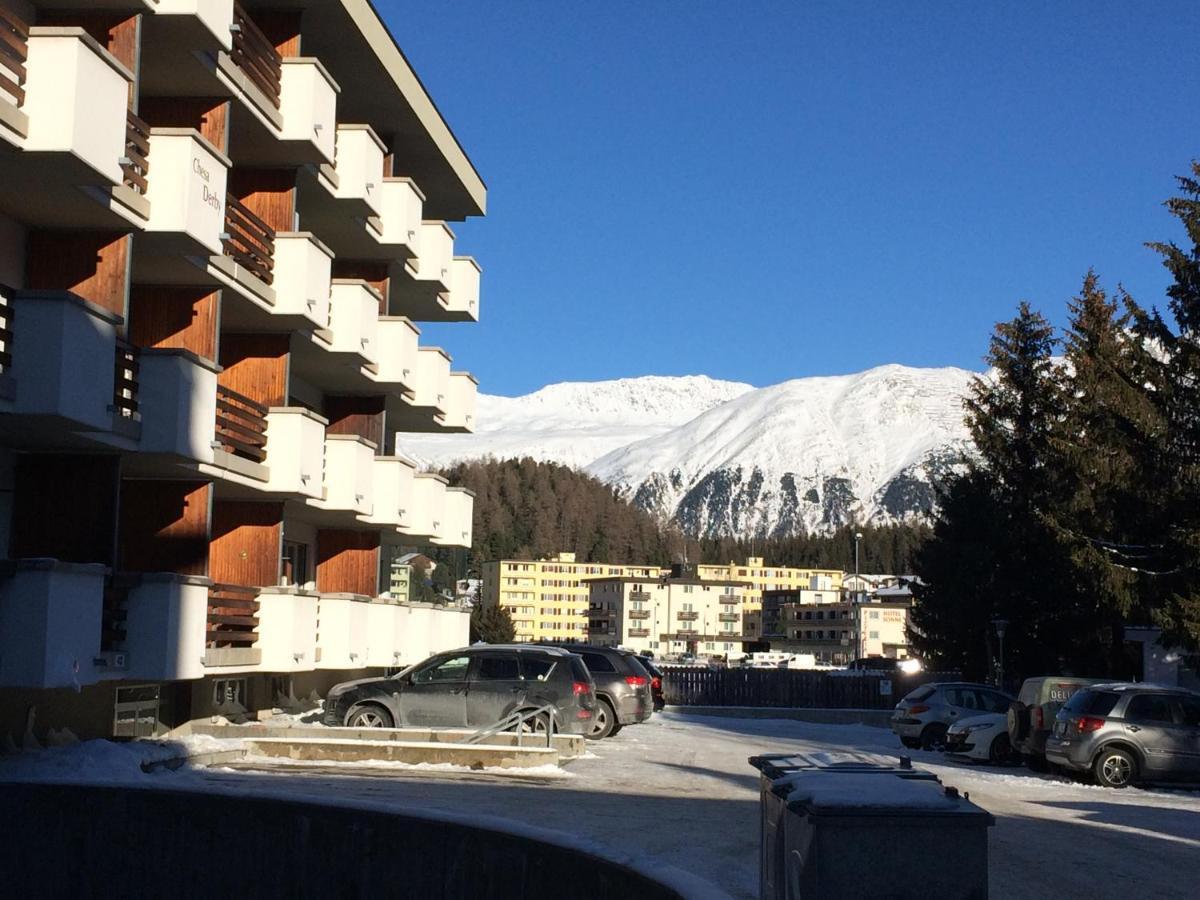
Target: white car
982 737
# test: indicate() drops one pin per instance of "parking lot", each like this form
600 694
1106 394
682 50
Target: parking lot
678 792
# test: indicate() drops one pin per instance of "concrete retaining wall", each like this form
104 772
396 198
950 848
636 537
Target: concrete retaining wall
86 841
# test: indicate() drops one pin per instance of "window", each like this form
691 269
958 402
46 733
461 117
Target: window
453 669
1190 709
293 564
873 635
229 690
1092 703
536 668
135 712
498 668
598 662
1150 708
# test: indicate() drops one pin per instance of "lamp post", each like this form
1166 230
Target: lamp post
858 644
1000 625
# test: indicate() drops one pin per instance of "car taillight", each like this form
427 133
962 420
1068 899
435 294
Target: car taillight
1037 718
916 710
581 687
656 683
635 680
1084 724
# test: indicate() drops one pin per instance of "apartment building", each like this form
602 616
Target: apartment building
669 616
813 585
548 599
221 225
839 632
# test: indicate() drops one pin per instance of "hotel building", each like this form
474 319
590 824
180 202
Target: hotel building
221 224
808 585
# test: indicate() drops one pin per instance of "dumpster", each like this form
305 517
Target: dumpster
854 834
776 770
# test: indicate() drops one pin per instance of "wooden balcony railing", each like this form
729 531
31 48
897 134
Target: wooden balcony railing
256 55
14 50
136 162
250 242
125 381
241 425
639 632
232 616
728 617
687 616
639 614
6 331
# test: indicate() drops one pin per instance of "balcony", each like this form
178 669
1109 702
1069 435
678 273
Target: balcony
178 402
165 620
232 626
687 616
423 629
638 632
197 24
397 341
126 415
639 595
393 488
295 451
359 170
400 206
50 623
187 197
354 320
14 50
135 164
248 241
729 599
349 468
257 59
425 512
287 627
241 425
341 631
383 648
729 617
460 406
462 302
302 278
458 508
308 103
427 408
639 613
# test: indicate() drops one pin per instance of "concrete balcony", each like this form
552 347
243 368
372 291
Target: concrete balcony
462 391
349 471
462 302
639 614
423 291
393 491
687 616
165 623
178 403
423 629
287 627
359 170
308 103
302 277
342 631
397 352
400 205
383 646
458 507
295 451
436 256
354 320
186 191
425 513
50 623
63 356
430 393
196 24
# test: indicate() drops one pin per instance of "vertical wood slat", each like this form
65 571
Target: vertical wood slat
241 425
255 55
251 241
787 688
136 164
180 318
14 50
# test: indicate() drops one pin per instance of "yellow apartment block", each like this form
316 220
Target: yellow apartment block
809 585
548 599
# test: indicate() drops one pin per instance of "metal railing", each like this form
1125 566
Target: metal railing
232 616
255 55
687 616
639 614
516 721
241 425
14 50
125 381
136 163
639 632
248 240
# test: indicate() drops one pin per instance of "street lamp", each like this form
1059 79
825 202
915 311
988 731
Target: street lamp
857 602
1000 625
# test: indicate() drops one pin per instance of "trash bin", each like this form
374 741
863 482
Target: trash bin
776 771
856 834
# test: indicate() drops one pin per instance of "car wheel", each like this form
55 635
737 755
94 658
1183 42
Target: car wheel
1000 751
1115 768
911 743
369 716
603 720
934 738
1017 721
617 726
539 724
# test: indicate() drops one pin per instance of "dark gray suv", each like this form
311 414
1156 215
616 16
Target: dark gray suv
472 688
623 690
1122 733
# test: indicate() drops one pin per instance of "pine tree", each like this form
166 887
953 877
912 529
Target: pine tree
492 625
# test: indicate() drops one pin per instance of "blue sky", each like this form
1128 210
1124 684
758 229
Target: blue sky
764 191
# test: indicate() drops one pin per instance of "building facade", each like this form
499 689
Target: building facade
548 599
220 225
667 616
813 585
836 633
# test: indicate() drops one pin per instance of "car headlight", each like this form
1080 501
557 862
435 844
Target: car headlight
980 727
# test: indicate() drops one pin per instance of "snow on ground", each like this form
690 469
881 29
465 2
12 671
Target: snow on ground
677 794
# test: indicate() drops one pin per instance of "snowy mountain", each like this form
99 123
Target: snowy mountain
723 458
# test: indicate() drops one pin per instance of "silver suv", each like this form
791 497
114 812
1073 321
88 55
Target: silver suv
923 716
1122 733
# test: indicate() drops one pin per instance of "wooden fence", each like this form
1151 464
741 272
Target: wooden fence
791 688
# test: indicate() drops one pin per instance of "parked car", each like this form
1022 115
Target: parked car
656 682
1124 733
903 666
622 687
983 737
472 688
1031 715
924 716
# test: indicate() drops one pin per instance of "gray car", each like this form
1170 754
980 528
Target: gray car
623 690
1122 733
472 688
922 718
